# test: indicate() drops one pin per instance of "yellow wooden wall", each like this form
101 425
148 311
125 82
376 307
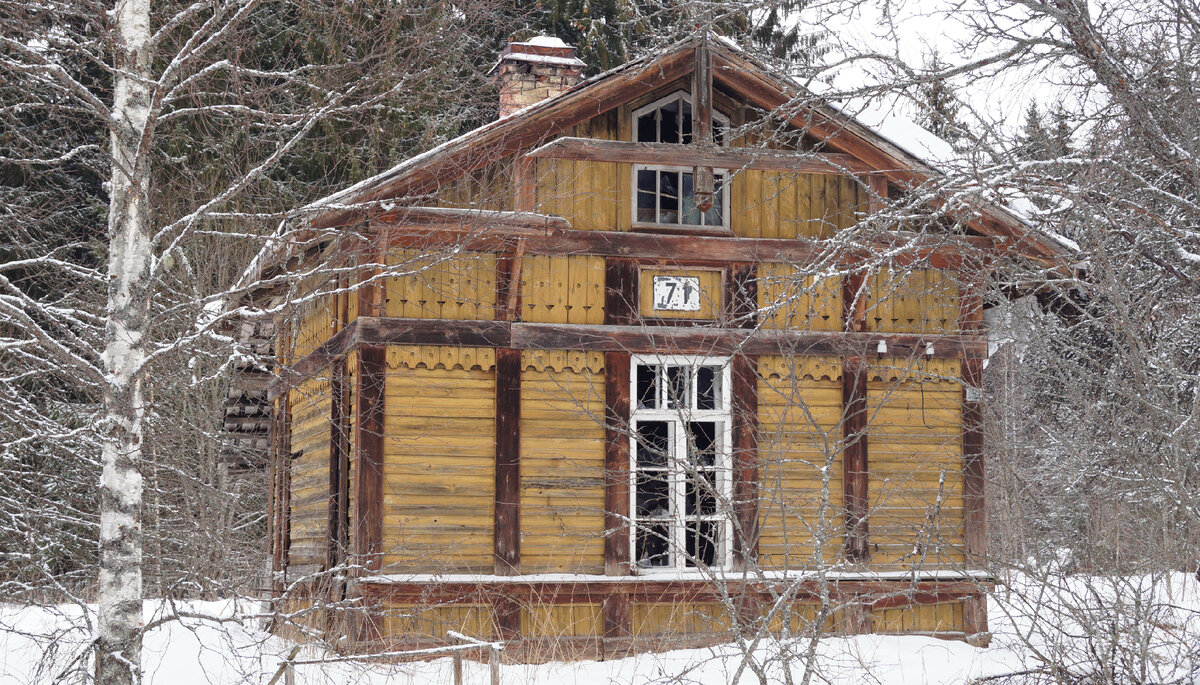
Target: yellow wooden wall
310 404
562 620
913 300
562 289
800 412
677 618
942 617
915 482
432 621
790 299
441 285
593 196
438 478
562 462
597 196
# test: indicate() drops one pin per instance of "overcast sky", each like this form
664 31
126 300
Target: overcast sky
920 28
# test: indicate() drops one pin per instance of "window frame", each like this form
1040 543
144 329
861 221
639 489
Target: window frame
679 95
677 469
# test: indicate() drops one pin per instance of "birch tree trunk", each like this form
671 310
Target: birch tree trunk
119 645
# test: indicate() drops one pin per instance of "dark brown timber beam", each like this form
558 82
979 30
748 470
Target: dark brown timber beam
744 400
673 154
506 531
382 331
942 252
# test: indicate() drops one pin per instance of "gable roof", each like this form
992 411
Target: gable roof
733 70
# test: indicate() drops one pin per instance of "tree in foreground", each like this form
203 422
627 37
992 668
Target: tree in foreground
206 123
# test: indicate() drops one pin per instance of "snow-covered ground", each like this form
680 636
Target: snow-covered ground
47 645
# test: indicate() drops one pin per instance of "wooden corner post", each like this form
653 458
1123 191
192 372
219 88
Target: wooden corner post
369 443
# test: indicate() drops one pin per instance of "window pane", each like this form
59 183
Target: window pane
653 495
702 443
647 183
708 387
718 132
702 543
690 214
647 387
653 444
653 545
677 387
700 490
668 202
714 216
687 122
670 122
646 130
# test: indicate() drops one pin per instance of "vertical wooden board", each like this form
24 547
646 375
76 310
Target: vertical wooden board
568 192
834 220
744 401
506 509
819 205
788 226
624 173
533 289
739 216
848 192
558 282
771 204
594 284
803 218
616 463
754 204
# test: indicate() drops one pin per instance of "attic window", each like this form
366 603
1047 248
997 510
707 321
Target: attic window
664 195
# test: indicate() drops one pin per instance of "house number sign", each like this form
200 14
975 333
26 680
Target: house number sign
677 293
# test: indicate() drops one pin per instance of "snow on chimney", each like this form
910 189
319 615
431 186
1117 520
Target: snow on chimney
534 70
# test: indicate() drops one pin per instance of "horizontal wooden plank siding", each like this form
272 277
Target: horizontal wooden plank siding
800 465
562 462
914 410
439 460
309 463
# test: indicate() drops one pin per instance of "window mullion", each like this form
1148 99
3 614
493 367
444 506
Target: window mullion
678 496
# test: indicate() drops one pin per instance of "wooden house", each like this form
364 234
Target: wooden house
635 365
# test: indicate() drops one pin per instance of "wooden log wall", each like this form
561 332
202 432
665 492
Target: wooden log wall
562 462
440 442
308 502
800 413
916 469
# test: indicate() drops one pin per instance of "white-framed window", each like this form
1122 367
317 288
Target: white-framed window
680 471
665 195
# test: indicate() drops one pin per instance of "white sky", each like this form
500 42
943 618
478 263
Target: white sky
921 27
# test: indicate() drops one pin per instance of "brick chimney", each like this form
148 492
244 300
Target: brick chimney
534 70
